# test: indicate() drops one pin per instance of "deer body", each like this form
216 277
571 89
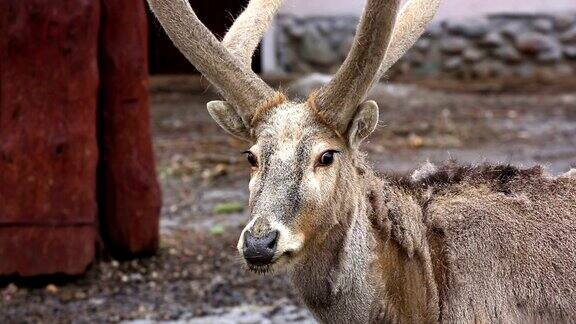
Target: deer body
452 251
454 244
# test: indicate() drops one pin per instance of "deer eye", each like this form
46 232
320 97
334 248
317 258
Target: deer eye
251 159
327 158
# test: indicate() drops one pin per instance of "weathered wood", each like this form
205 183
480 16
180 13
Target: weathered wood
48 151
32 251
130 196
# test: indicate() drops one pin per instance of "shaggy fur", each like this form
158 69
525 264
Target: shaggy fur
475 244
278 99
464 244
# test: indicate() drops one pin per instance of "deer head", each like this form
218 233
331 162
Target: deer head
304 157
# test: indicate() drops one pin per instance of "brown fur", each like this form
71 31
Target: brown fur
498 242
319 114
259 113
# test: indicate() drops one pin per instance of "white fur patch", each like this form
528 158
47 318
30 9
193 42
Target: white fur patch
423 171
287 240
569 174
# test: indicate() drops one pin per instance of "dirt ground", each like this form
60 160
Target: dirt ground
197 277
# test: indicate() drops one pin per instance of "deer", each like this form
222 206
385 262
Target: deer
448 243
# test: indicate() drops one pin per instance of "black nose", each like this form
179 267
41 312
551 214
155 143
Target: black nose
259 250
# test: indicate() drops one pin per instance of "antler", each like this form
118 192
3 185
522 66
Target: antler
245 34
231 75
373 53
410 25
339 99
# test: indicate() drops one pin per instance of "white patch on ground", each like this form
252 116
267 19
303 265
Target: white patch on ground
282 312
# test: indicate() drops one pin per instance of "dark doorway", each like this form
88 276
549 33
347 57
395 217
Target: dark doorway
217 15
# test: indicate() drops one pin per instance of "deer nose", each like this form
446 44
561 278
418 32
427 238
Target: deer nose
259 250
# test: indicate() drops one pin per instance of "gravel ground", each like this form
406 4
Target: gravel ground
197 277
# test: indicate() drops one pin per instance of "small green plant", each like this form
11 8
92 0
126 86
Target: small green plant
217 229
228 208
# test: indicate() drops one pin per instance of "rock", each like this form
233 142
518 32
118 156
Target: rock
316 49
508 54
469 28
490 69
324 26
403 67
345 47
570 52
513 29
563 70
536 43
551 56
415 141
452 64
564 21
473 55
453 45
414 58
337 37
295 30
423 44
288 58
543 25
569 36
526 70
52 289
302 87
493 39
344 24
434 30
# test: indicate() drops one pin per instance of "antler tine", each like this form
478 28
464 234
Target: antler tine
237 83
245 34
411 23
339 99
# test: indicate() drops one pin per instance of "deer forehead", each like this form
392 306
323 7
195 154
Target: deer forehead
289 128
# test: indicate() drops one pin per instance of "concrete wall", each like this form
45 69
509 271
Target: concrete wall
448 9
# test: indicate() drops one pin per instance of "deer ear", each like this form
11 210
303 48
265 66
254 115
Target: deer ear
364 122
227 117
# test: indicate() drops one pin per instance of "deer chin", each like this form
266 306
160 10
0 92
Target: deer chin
283 262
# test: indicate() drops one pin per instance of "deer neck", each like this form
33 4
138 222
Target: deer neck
347 278
334 281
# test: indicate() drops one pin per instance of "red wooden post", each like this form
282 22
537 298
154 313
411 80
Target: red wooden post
73 83
48 151
130 196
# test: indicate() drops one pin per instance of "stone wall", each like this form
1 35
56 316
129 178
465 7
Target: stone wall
504 45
